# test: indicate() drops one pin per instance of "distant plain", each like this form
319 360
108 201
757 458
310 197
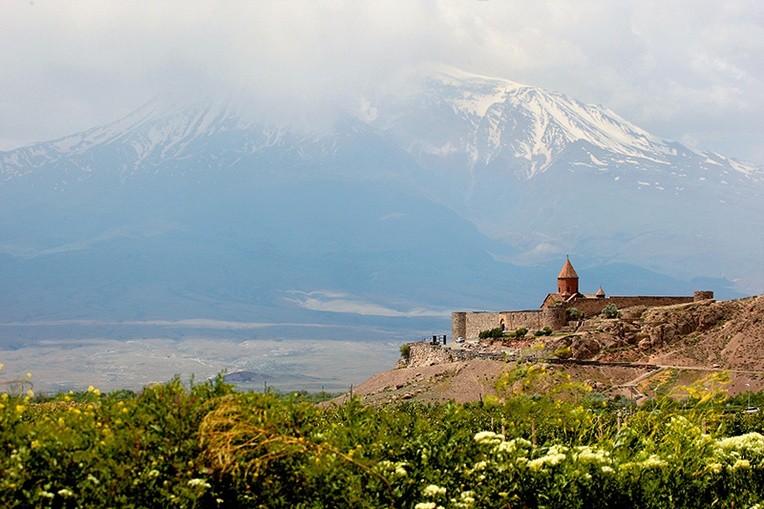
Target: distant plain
113 364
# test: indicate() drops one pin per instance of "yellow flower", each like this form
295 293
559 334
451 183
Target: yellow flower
20 409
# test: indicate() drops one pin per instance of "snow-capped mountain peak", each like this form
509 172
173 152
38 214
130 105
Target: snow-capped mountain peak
493 121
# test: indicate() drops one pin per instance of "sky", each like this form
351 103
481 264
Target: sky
691 71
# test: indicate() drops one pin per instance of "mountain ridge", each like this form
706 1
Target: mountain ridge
191 200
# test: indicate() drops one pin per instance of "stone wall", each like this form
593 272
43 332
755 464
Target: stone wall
592 307
425 354
458 325
470 324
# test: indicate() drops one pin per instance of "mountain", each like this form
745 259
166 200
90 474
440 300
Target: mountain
459 192
551 175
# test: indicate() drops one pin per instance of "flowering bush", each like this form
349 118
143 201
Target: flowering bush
209 446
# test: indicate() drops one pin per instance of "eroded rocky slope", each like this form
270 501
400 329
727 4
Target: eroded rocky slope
687 342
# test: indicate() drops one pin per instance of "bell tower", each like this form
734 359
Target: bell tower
567 280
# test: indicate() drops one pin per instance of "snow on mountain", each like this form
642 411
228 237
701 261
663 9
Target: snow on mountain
473 121
497 121
544 173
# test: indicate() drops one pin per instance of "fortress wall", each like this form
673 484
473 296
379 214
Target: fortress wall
592 307
531 320
458 325
470 324
425 354
556 318
477 321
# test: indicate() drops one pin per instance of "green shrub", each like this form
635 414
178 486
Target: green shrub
491 333
611 311
405 351
520 333
574 314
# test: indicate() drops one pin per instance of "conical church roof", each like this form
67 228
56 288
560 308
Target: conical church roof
567 272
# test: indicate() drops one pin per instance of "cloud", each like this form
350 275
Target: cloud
662 64
334 302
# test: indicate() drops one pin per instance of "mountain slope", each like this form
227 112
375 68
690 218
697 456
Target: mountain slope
687 342
551 175
463 193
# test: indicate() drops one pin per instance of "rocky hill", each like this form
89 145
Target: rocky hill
644 351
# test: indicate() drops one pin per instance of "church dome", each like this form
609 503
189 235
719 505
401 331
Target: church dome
567 280
567 272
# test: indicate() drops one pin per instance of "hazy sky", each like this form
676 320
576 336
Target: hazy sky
688 70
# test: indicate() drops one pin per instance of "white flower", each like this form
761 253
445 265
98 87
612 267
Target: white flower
513 445
433 490
653 462
65 493
554 456
201 483
607 470
750 442
488 437
588 455
741 464
425 505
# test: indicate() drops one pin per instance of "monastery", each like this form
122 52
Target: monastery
554 310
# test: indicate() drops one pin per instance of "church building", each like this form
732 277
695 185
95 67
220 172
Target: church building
553 311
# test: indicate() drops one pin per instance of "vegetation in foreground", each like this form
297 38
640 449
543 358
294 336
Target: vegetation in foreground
209 446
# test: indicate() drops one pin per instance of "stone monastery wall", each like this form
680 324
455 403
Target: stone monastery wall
591 307
469 324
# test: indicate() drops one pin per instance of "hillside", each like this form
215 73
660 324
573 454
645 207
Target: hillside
658 348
